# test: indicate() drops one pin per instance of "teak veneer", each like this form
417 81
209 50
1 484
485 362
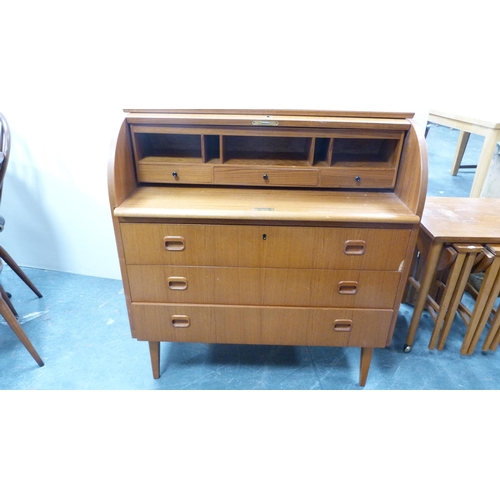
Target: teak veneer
266 227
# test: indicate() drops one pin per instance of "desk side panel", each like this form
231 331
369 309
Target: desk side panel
121 184
411 186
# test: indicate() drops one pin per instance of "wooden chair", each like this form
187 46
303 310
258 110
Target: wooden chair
6 308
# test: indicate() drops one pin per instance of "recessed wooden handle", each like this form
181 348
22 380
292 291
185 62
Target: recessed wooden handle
180 321
354 247
348 287
174 243
177 283
342 325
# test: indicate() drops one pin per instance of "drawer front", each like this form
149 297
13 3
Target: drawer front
174 174
358 178
266 176
261 325
265 246
270 287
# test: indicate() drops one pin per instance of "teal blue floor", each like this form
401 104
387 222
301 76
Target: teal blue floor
80 329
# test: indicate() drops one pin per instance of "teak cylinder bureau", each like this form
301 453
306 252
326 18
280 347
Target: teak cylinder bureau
266 226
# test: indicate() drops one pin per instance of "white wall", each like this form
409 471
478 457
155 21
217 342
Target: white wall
69 68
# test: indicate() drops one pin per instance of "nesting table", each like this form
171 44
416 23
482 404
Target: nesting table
453 222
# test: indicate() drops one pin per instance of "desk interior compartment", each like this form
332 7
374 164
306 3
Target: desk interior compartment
367 152
266 150
166 146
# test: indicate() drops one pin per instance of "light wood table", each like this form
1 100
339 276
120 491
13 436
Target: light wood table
466 124
447 221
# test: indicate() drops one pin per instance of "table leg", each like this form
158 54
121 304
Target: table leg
444 306
490 142
493 338
463 139
154 352
491 285
425 285
457 296
364 366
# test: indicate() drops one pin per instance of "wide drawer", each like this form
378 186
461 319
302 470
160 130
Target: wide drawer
268 176
252 286
288 247
261 325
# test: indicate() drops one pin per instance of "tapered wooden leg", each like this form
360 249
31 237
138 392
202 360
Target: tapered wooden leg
425 285
488 307
366 359
154 352
471 252
488 150
12 264
16 327
485 301
451 282
493 339
6 297
463 139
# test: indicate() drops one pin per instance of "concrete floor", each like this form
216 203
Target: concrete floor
80 329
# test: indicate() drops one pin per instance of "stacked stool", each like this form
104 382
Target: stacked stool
458 236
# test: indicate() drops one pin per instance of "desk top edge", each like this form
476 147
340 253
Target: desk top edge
279 112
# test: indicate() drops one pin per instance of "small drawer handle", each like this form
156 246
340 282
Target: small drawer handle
342 325
354 247
348 287
177 283
174 243
180 321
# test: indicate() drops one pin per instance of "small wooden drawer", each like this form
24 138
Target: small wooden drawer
165 173
261 325
289 247
266 176
267 287
358 178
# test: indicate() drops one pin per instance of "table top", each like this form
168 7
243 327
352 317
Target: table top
489 118
462 220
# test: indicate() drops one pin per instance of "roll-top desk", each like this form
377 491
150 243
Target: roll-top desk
266 226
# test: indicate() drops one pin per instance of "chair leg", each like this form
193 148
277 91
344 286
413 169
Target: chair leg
6 312
6 298
12 264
